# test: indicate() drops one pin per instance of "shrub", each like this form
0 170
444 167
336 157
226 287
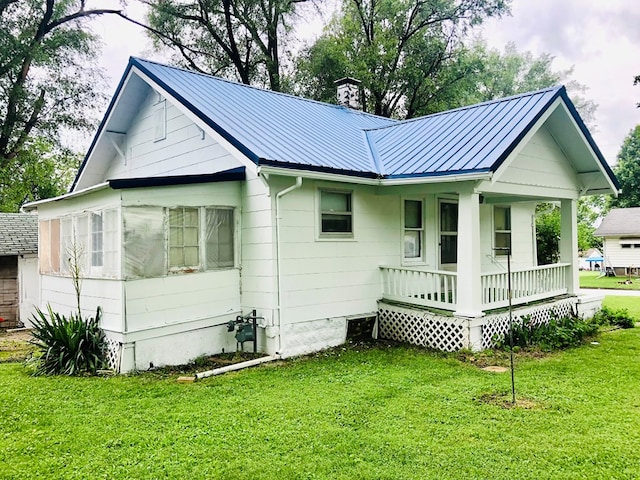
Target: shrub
557 334
619 318
68 345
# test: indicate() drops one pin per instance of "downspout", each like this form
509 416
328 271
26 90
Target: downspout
279 195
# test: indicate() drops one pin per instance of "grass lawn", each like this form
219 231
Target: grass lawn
380 413
631 304
591 280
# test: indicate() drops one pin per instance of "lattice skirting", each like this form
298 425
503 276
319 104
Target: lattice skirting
424 328
421 328
114 354
498 324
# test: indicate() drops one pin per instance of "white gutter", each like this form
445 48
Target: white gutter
338 177
279 195
33 205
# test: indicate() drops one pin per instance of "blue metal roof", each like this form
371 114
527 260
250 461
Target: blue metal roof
277 129
266 125
470 139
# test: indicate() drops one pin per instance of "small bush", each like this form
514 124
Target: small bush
68 345
557 334
618 318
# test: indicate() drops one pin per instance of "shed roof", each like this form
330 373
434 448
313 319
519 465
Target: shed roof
18 234
620 222
282 130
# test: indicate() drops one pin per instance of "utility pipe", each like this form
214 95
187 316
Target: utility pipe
279 195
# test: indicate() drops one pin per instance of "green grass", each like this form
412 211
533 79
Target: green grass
593 280
383 413
631 304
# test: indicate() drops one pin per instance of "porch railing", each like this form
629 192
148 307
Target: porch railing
527 285
439 288
429 288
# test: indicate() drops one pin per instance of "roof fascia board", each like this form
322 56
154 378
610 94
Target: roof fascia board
513 189
126 77
314 175
599 160
94 188
533 129
183 107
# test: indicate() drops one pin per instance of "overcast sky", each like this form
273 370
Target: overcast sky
599 38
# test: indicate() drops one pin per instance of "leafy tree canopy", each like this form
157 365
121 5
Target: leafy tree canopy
47 71
39 170
627 169
404 52
239 39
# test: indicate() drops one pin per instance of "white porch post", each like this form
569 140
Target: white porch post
469 259
569 242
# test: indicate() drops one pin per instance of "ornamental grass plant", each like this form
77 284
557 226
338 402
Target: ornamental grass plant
70 345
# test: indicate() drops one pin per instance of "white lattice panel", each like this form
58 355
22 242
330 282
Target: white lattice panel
114 349
498 324
421 328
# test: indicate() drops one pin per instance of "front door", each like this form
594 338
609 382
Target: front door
448 234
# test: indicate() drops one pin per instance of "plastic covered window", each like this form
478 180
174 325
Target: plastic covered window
502 229
184 237
219 246
144 242
413 229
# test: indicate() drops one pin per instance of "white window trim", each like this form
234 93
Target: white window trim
420 260
501 254
441 232
334 236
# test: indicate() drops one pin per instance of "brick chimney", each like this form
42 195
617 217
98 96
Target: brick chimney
348 90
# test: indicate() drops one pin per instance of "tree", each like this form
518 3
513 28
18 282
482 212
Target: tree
47 78
240 39
39 170
398 49
627 169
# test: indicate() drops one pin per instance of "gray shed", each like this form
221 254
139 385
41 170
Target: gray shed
19 278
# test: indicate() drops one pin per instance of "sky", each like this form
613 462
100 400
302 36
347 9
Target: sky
600 39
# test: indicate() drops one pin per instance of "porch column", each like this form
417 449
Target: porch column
469 257
569 242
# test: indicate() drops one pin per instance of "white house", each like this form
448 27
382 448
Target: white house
620 230
201 199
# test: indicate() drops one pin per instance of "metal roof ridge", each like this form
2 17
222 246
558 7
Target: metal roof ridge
556 88
265 90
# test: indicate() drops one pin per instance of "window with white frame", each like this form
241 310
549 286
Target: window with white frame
502 230
413 229
336 215
97 252
184 238
160 240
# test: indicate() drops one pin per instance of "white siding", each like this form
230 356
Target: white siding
618 257
185 150
107 294
324 278
541 163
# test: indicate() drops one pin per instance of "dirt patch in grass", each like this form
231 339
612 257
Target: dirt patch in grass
499 358
204 363
504 400
15 346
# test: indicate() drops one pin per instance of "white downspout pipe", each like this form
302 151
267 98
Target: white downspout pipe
279 195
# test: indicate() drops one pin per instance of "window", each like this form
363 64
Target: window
219 238
160 120
502 230
184 238
413 229
626 245
448 232
96 240
66 244
335 213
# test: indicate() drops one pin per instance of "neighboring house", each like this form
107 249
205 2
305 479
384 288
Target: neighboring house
19 279
620 230
202 199
591 260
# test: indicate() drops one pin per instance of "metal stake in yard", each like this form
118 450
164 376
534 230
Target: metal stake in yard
513 382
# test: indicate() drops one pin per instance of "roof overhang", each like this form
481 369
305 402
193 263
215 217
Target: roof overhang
78 193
